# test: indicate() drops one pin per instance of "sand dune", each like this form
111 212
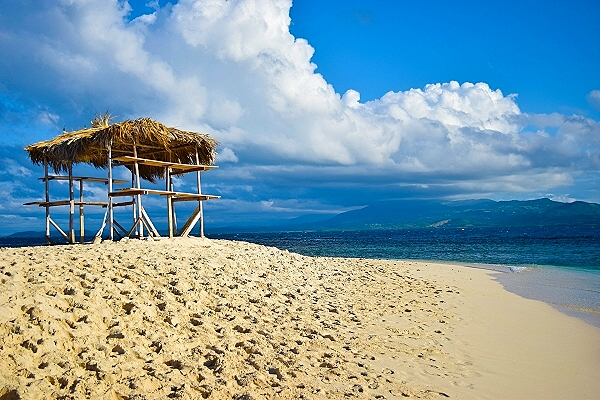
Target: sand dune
198 318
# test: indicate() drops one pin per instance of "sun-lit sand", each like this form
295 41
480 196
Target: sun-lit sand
198 318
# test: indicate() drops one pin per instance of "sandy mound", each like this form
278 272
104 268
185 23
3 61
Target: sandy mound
199 318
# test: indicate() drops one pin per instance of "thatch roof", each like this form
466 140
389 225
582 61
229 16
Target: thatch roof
153 140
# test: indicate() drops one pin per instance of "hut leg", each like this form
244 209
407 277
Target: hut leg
200 211
134 202
111 219
47 185
170 215
169 202
168 187
81 218
173 209
138 217
71 206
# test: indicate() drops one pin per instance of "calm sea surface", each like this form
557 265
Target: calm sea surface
558 265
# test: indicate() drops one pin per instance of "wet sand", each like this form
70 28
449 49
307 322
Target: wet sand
198 318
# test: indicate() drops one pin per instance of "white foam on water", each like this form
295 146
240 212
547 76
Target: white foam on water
516 269
574 292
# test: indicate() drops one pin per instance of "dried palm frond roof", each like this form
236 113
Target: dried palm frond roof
152 140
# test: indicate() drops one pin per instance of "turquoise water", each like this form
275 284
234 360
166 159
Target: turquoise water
557 265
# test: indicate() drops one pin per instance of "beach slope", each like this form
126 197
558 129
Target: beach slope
198 318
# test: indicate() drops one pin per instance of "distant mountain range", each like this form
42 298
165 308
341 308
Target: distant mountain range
406 214
402 214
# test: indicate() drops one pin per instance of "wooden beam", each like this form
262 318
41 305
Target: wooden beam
65 203
122 204
118 225
81 178
135 224
156 163
189 224
181 196
149 223
196 197
104 220
58 228
127 192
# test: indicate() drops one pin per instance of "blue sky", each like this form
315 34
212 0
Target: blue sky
320 107
546 52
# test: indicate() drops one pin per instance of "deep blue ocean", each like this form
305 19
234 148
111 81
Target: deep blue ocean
565 247
558 265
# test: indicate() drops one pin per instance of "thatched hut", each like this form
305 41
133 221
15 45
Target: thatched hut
149 149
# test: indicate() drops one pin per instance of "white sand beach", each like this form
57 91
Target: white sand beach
196 318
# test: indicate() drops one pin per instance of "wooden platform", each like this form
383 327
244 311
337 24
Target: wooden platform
178 195
81 179
123 160
66 203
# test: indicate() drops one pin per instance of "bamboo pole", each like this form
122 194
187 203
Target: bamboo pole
71 206
172 218
169 202
55 225
47 186
200 210
136 168
170 215
189 224
81 217
148 222
111 220
133 200
173 208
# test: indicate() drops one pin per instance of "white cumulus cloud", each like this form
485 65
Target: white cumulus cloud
234 70
593 99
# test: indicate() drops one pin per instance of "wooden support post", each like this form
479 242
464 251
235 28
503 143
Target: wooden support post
133 200
111 218
170 209
170 215
58 228
118 225
138 217
200 211
148 222
189 224
71 206
173 208
81 217
98 236
47 185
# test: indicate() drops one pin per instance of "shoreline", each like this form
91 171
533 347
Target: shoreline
545 284
213 318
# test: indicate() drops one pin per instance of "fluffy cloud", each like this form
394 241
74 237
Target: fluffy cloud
232 69
593 99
